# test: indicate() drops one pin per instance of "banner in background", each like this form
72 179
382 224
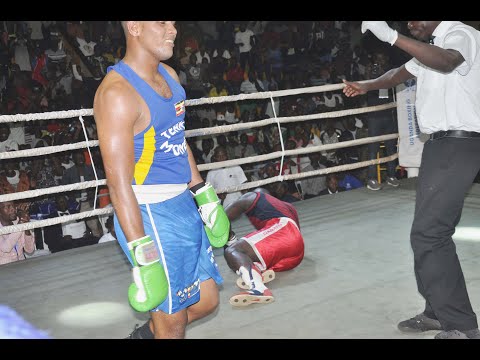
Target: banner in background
411 140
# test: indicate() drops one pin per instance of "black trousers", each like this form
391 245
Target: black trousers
448 168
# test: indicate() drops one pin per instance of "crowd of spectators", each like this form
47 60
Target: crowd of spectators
58 65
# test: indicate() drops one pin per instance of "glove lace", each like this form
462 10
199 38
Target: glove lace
208 213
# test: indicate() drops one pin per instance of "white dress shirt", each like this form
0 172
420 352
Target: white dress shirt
450 101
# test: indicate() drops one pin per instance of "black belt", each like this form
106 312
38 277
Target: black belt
455 134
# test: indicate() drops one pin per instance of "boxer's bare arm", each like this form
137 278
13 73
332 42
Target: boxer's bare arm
239 206
196 177
116 110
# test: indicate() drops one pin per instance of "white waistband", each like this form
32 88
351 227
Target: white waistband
283 219
151 194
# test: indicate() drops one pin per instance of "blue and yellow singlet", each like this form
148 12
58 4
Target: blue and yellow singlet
161 149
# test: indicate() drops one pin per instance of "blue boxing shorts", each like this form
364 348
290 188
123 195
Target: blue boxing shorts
183 247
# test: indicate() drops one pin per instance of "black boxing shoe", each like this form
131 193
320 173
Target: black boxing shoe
141 332
419 323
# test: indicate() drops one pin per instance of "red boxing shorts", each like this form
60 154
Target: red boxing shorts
279 245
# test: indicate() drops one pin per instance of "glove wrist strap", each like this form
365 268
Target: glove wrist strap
197 187
134 243
143 251
206 195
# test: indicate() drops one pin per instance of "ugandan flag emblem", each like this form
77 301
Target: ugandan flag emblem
179 108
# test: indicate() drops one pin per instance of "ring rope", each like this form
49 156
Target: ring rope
280 137
266 94
47 150
51 190
91 159
328 170
53 221
298 151
63 114
326 115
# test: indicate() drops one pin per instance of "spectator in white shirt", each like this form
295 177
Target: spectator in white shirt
110 235
252 84
202 54
245 40
86 46
225 177
6 142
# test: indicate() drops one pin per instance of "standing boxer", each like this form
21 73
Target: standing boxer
155 185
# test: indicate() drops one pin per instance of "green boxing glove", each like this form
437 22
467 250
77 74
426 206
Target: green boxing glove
150 286
217 225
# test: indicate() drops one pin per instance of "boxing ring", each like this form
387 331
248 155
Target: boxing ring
356 280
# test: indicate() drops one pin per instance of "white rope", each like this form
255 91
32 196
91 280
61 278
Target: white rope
46 150
254 124
280 136
51 190
298 151
265 94
64 114
91 160
53 221
339 168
